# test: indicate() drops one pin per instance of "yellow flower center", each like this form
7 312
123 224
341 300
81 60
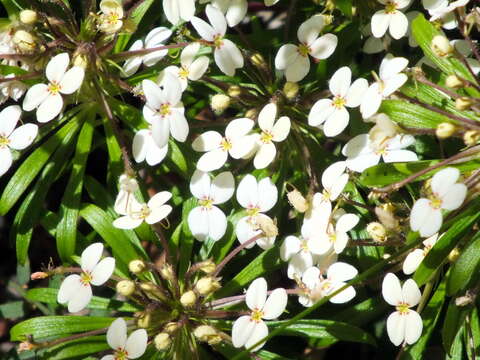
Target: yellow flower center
266 137
252 212
436 203
304 50
390 7
218 41
4 141
332 238
85 278
403 308
165 109
325 286
257 315
54 88
326 194
183 73
121 354
225 144
142 214
304 245
206 203
338 102
112 18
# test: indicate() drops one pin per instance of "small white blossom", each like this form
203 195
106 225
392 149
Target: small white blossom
125 348
155 38
415 258
207 220
318 285
426 216
234 10
11 89
404 324
247 330
178 10
128 186
47 98
111 17
227 56
237 142
391 18
256 198
443 11
76 290
11 138
144 148
294 59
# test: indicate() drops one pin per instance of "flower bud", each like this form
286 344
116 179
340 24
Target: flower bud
38 275
377 231
207 285
137 266
162 341
297 200
465 300
24 41
290 89
453 81
463 103
188 299
207 334
80 61
251 113
234 91
171 327
220 102
26 346
208 266
445 130
144 321
166 272
267 225
28 17
385 214
441 46
125 287
471 137
454 255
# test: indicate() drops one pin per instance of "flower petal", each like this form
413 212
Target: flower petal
117 334
127 223
267 194
455 197
35 96
275 304
154 95
371 101
136 343
309 30
391 66
239 128
9 117
340 81
198 223
102 272
287 55
265 155
281 129
356 92
256 294
140 145
267 116
23 136
161 131
424 218
443 181
341 272
157 200
380 22
6 160
198 68
57 67
222 188
207 141
398 25
212 160
204 29
320 111
298 69
396 328
413 327
336 122
228 57
217 223
324 46
72 80
68 288
236 12
91 256
347 222
179 126
290 246
411 293
49 108
158 214
391 289
241 330
200 185
217 19
413 261
399 156
81 299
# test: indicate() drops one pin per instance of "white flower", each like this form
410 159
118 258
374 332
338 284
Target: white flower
234 10
11 89
227 56
125 348
164 110
11 138
296 250
152 212
256 198
390 80
207 220
390 18
250 329
190 69
76 289
237 142
47 98
362 152
272 131
415 258
155 38
443 11
294 59
317 286
110 20
404 324
333 112
178 10
447 194
128 186
145 148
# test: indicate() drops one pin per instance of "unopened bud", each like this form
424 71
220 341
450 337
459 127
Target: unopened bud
445 130
125 287
385 214
144 321
24 41
471 137
454 255
377 231
465 300
80 61
296 199
162 341
290 89
137 266
267 225
441 46
188 299
453 81
234 91
258 60
166 272
207 334
38 275
28 17
207 285
26 346
208 266
171 327
220 102
463 103
251 113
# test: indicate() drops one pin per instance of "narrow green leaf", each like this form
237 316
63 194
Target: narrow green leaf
411 115
454 321
67 228
115 163
12 310
77 349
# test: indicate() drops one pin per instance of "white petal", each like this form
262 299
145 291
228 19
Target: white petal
341 241
222 188
299 263
212 160
188 54
413 327
362 162
140 145
49 108
267 116
298 69
311 277
159 199
136 343
72 80
132 64
102 272
236 12
171 10
281 129
393 84
228 57
153 94
205 30
324 46
239 128
126 223
275 304
411 293
245 231
380 22
290 246
341 272
336 122
399 156
200 185
198 68
207 141
5 160
172 92
455 197
117 334
217 223
265 155
332 173
82 298
347 222
398 25
344 296
68 288
321 245
158 214
154 57
309 30
35 96
356 92
179 126
371 101
161 131
424 218
391 289
286 56
56 67
396 328
340 81
320 111
198 223
443 181
9 117
256 294
267 194
157 36
413 261
259 332
91 256
108 357
23 136
247 192
391 66
241 330
217 19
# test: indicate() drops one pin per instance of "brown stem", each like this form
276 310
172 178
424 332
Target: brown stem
462 27
127 54
235 252
369 243
220 314
398 185
20 77
357 204
242 297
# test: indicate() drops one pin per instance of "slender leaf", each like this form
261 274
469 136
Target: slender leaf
76 349
454 321
411 115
